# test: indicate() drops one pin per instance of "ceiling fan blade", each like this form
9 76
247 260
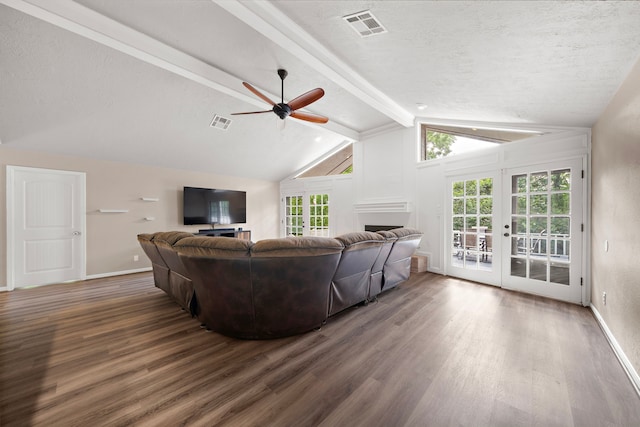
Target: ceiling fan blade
258 93
252 112
306 99
309 117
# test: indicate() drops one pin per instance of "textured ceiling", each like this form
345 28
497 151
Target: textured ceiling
102 94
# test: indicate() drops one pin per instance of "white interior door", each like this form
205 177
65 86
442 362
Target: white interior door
542 232
45 226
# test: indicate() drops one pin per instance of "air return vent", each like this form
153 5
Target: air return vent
365 23
220 122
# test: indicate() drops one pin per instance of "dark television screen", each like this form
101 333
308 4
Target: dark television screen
210 206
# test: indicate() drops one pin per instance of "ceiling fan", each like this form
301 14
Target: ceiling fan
283 110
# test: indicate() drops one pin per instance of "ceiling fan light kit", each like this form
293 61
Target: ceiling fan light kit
284 110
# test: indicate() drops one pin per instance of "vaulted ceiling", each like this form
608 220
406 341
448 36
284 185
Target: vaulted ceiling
140 80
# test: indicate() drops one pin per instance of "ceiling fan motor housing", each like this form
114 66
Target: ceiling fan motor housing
282 110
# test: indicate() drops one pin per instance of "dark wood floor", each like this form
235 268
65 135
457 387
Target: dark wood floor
435 351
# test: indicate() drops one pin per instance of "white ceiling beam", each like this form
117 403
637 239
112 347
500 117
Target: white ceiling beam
87 23
265 18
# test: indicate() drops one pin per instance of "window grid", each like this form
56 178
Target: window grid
540 221
472 218
294 219
319 215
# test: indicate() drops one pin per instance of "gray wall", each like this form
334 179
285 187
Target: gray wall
616 216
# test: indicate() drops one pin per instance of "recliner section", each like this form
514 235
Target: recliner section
159 266
180 285
220 268
397 266
351 281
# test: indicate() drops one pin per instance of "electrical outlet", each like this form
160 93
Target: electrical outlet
136 258
604 298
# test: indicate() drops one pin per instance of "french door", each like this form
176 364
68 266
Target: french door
542 230
474 207
521 230
306 214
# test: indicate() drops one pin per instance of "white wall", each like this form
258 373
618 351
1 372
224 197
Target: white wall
384 172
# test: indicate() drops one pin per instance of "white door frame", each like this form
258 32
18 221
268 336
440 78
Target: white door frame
80 210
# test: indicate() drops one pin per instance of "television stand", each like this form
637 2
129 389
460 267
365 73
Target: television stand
225 232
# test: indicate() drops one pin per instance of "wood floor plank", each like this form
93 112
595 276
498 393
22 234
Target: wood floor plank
434 351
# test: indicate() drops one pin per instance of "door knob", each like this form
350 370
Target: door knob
506 226
77 233
506 234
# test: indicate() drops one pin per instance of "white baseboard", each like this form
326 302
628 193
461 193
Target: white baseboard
624 361
117 273
94 276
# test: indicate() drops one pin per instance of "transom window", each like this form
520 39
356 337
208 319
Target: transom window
442 141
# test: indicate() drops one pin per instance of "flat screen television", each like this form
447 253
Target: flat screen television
211 206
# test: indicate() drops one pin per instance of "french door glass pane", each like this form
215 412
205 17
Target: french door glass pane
293 216
472 218
540 225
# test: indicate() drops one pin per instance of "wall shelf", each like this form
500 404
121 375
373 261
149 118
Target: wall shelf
113 210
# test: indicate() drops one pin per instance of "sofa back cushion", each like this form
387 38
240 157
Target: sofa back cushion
160 268
397 267
150 249
220 269
406 244
350 283
219 247
296 247
291 278
170 237
360 252
164 241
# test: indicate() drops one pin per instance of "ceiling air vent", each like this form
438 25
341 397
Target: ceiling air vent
220 122
365 23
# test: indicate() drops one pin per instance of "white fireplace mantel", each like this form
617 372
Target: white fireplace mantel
383 207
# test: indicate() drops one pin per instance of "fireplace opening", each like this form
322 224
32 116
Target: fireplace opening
375 228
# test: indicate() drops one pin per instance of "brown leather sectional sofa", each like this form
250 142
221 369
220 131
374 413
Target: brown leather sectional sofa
276 287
